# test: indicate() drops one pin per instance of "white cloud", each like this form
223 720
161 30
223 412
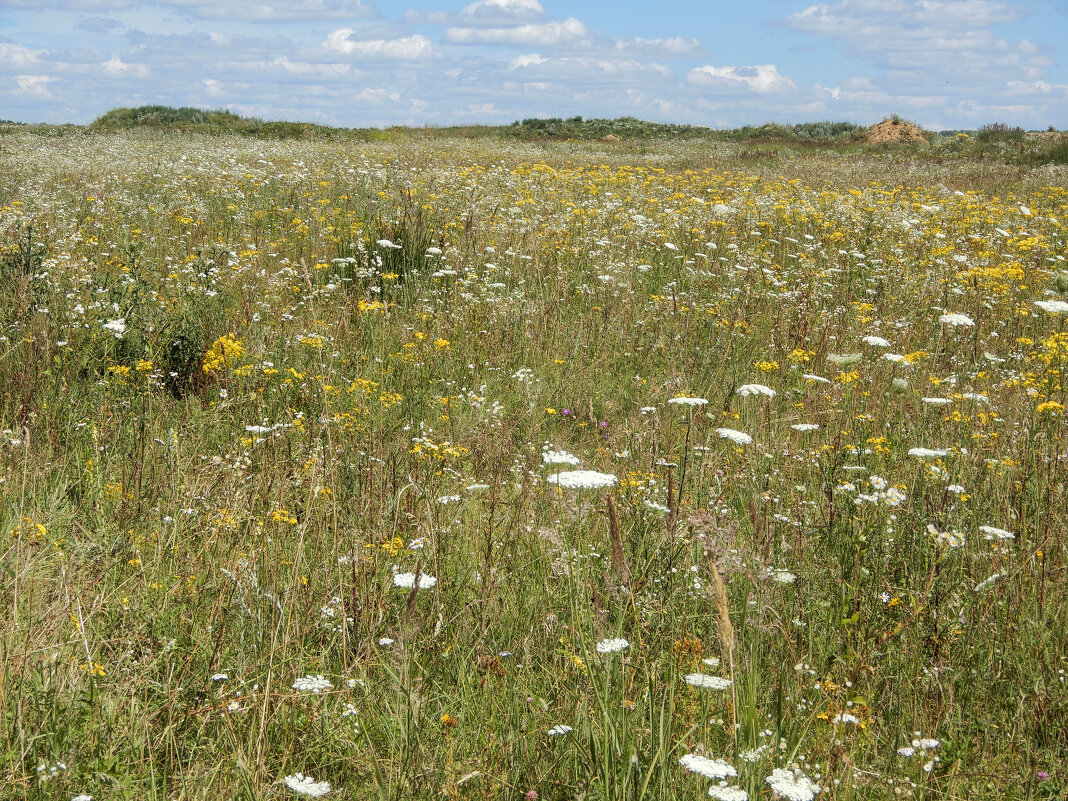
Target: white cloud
503 10
762 78
114 67
924 38
671 46
570 31
33 85
241 10
14 55
212 87
406 48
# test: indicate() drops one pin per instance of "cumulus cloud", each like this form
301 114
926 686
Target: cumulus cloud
503 11
34 85
556 33
928 38
242 10
115 67
761 78
406 48
19 57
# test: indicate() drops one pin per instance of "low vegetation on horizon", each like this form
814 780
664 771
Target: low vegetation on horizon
530 467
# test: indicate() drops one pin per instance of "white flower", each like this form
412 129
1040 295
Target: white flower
755 389
1054 306
116 327
925 743
709 768
954 320
583 479
612 646
218 677
682 401
656 507
896 358
993 532
928 453
306 785
947 539
737 437
706 681
817 378
385 642
906 751
987 583
385 243
875 342
938 401
258 429
315 684
559 457
844 359
805 426
82 797
781 576
793 785
725 793
560 729
407 581
845 717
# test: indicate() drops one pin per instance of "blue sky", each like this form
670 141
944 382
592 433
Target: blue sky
941 63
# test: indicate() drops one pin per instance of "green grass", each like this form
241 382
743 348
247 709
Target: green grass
231 415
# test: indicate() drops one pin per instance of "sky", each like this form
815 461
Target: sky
944 64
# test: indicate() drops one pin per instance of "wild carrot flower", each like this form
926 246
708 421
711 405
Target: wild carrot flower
612 646
707 682
709 768
583 479
792 785
737 437
306 785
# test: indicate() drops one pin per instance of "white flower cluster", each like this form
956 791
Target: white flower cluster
407 581
312 684
583 479
737 437
683 401
745 390
928 453
559 457
946 539
612 646
709 768
792 784
1052 306
706 681
559 730
955 320
306 785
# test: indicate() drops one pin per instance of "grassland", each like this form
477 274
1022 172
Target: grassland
289 428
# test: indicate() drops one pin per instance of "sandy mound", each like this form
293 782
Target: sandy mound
610 138
895 130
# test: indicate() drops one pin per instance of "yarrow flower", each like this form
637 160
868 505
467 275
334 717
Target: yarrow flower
116 327
792 784
955 320
407 581
709 768
875 342
724 792
314 684
781 576
306 785
583 479
559 457
684 401
1053 306
745 390
612 646
737 437
928 453
707 682
995 533
805 426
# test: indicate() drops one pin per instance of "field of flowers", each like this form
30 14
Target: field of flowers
461 469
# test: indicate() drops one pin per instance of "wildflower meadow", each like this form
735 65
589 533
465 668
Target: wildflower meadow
443 467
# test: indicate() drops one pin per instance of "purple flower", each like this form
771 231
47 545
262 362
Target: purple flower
565 412
604 424
1042 776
